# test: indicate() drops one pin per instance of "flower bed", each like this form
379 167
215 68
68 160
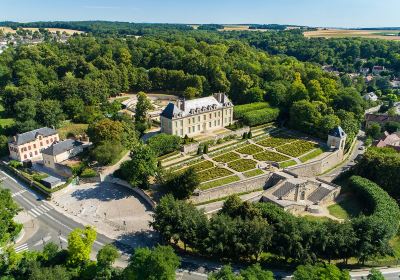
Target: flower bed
231 156
275 141
213 173
297 148
203 165
219 182
253 173
250 150
270 156
242 165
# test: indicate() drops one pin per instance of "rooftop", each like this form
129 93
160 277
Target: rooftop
61 147
32 135
337 132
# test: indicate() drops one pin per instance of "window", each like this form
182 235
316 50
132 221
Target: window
34 146
47 141
25 156
210 115
198 118
189 121
204 117
36 152
193 119
189 130
215 114
219 114
181 122
215 123
198 127
29 148
209 124
194 128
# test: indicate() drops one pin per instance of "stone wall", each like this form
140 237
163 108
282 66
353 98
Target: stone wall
250 184
317 167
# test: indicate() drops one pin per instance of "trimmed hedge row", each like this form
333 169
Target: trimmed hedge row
381 205
240 110
262 116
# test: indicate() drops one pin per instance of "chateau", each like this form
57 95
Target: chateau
192 117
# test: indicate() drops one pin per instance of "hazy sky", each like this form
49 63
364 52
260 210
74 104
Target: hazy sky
330 13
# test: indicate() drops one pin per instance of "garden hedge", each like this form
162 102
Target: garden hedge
240 110
261 116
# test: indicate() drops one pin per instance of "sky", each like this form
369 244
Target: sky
318 13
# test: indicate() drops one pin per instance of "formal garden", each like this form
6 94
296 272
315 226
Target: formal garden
268 150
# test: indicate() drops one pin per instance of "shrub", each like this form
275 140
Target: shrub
182 185
15 164
107 152
242 165
262 116
88 173
240 110
164 143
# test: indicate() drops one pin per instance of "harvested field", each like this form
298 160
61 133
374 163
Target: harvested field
343 33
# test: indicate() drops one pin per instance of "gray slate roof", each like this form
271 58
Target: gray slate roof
337 132
31 135
195 106
61 147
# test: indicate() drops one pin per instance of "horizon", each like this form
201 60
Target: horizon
324 14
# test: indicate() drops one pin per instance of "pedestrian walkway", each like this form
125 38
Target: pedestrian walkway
21 248
39 210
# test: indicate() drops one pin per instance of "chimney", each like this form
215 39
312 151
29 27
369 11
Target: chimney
219 96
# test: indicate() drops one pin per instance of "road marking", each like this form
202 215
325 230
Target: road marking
18 193
45 208
57 221
21 248
8 176
38 211
63 239
40 242
99 243
35 212
27 201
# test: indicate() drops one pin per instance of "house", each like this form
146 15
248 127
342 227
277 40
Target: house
364 71
337 138
56 156
380 119
192 117
377 70
370 96
28 146
389 140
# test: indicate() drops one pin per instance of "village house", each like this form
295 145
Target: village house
380 119
192 117
28 146
377 70
370 96
56 156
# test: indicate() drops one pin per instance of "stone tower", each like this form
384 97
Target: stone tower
337 138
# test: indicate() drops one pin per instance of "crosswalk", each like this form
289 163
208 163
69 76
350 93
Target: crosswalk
21 248
39 210
18 193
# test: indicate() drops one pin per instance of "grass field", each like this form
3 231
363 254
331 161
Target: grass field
349 207
72 129
343 33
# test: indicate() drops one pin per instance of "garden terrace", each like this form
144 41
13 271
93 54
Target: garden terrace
230 156
213 173
219 182
275 141
250 150
203 165
253 173
297 148
270 156
242 165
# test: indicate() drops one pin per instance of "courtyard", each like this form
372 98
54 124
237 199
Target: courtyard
112 209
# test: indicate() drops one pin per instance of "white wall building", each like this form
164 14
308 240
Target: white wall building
192 117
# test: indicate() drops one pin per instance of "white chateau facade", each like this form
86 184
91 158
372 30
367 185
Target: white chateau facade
192 117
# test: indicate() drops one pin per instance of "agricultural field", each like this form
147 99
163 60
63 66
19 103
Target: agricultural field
347 33
250 150
270 156
230 156
297 148
242 165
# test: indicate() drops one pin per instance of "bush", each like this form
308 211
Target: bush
181 186
107 152
262 116
164 143
15 164
88 173
240 110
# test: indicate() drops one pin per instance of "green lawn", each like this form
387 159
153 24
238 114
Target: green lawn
348 208
69 129
219 182
253 173
311 155
287 163
5 122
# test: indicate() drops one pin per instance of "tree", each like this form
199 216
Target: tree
375 274
143 105
3 145
190 92
164 143
374 131
50 113
142 165
107 152
320 271
225 273
105 259
182 185
157 264
106 130
80 242
25 110
8 210
392 127
256 272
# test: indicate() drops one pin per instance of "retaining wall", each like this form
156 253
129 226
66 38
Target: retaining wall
250 184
